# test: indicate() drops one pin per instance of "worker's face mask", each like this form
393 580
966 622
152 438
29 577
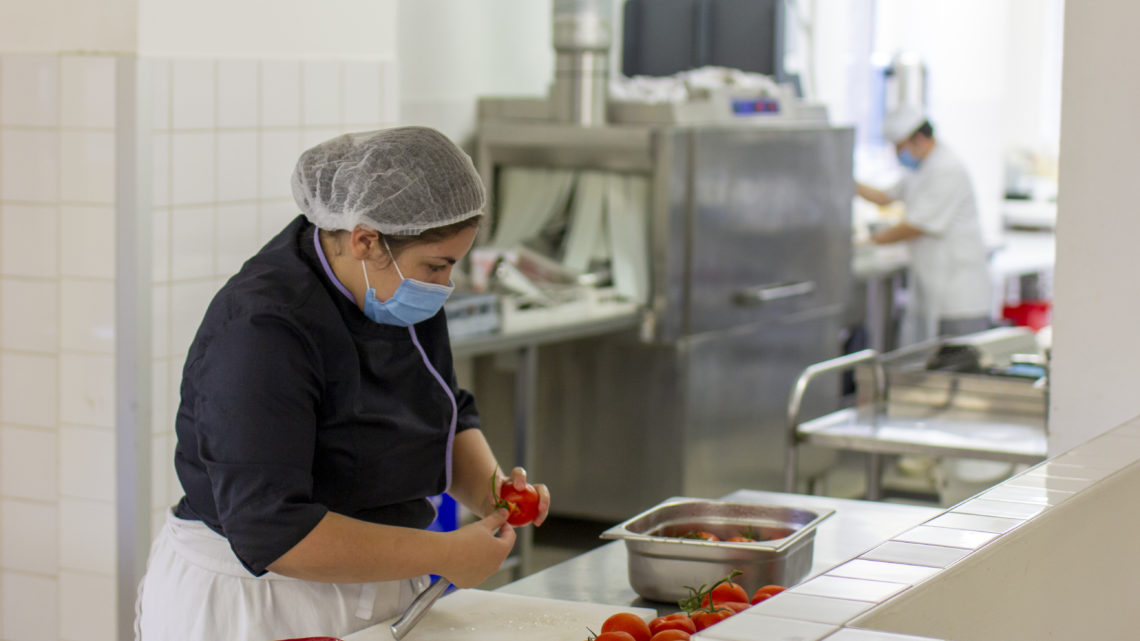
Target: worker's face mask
907 159
413 302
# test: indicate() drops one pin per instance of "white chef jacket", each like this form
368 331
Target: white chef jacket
949 268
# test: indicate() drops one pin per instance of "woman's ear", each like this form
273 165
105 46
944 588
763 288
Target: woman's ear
364 243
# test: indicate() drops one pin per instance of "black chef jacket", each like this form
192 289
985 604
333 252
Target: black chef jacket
295 403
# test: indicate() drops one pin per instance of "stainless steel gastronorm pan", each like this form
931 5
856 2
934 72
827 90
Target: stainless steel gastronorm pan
661 563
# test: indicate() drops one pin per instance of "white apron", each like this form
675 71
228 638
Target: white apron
195 589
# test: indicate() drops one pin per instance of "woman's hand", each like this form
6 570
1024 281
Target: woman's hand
518 479
476 552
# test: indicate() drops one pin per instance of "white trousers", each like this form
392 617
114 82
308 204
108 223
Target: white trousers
195 589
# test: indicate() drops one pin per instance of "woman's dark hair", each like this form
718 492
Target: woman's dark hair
926 129
434 235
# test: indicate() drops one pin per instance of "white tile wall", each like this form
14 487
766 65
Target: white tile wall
29 600
188 305
322 93
88 315
281 93
18 257
238 88
29 536
29 165
238 237
160 170
237 165
87 463
363 95
160 320
29 90
192 242
279 152
29 314
160 245
87 389
87 91
193 168
29 393
192 94
29 463
87 241
87 606
159 72
87 535
87 167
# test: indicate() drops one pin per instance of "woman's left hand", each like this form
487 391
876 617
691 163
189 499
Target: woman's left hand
518 479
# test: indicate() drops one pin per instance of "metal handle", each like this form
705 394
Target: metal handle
761 294
795 403
419 608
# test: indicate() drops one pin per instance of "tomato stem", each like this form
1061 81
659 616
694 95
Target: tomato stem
695 601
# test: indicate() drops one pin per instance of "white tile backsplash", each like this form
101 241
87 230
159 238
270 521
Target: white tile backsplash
87 463
280 93
87 241
192 94
237 237
28 389
389 92
853 634
87 389
273 218
161 458
29 90
87 167
1044 481
279 152
160 320
1004 509
949 537
846 588
193 167
915 554
160 170
238 90
882 571
29 165
976 522
237 166
192 242
87 91
29 315
88 315
756 627
87 535
28 607
160 245
1040 495
322 93
314 136
18 257
29 536
808 607
29 463
87 607
362 94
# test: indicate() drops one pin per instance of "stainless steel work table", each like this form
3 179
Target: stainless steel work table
600 575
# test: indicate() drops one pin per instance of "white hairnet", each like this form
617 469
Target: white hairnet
401 181
902 122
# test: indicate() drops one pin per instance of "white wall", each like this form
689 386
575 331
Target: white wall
1097 310
68 25
267 27
452 51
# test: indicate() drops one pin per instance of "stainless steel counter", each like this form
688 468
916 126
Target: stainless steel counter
600 576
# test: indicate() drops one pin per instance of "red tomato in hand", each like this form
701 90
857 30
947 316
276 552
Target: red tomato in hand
679 621
671 635
522 504
629 623
614 636
705 619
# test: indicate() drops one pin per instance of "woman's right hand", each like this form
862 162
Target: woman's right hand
476 552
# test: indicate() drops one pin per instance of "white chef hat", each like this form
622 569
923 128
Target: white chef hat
902 122
400 181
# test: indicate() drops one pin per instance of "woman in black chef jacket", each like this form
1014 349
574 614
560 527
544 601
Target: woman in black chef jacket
320 411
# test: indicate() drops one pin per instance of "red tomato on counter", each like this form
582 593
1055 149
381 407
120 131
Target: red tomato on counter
705 619
614 636
522 504
629 623
679 621
729 593
671 635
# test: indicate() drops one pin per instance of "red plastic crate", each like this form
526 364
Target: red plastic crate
1032 314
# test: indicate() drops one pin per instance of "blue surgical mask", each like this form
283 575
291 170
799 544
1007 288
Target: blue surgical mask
908 160
413 302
